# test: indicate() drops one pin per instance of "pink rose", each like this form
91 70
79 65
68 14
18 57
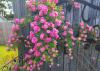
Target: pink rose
64 33
31 51
43 58
34 48
48 31
57 36
30 62
15 28
70 31
17 21
27 56
31 34
65 28
43 8
33 8
73 38
53 14
37 54
42 20
22 20
52 25
42 36
63 17
54 33
55 1
41 63
42 49
46 46
16 68
40 13
73 43
34 40
36 29
36 18
48 39
82 25
58 22
39 44
62 13
90 28
67 23
33 24
45 26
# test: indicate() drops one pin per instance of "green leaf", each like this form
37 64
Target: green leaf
37 59
51 44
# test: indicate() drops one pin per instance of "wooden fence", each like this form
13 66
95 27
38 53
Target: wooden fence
83 59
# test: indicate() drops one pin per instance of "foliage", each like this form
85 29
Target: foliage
48 29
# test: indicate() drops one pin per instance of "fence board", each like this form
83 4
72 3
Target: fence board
82 62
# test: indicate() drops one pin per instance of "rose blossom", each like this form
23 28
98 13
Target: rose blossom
36 29
42 20
58 22
53 14
48 39
39 44
33 8
82 25
67 23
42 36
70 31
36 18
73 38
33 24
31 34
64 33
31 51
43 8
17 21
15 28
37 53
90 28
40 13
42 49
34 40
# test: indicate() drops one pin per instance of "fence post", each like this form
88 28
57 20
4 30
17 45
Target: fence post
20 12
19 8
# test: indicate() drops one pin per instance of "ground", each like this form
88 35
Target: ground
6 56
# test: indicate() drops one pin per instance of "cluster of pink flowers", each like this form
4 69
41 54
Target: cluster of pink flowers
54 14
44 33
47 28
84 30
86 27
68 33
15 30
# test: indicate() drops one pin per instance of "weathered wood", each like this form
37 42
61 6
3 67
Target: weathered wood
82 58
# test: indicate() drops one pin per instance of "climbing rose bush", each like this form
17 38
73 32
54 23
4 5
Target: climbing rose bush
49 34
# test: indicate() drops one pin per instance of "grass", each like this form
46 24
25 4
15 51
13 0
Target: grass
6 56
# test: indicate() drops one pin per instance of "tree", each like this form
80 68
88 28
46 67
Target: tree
2 7
2 10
